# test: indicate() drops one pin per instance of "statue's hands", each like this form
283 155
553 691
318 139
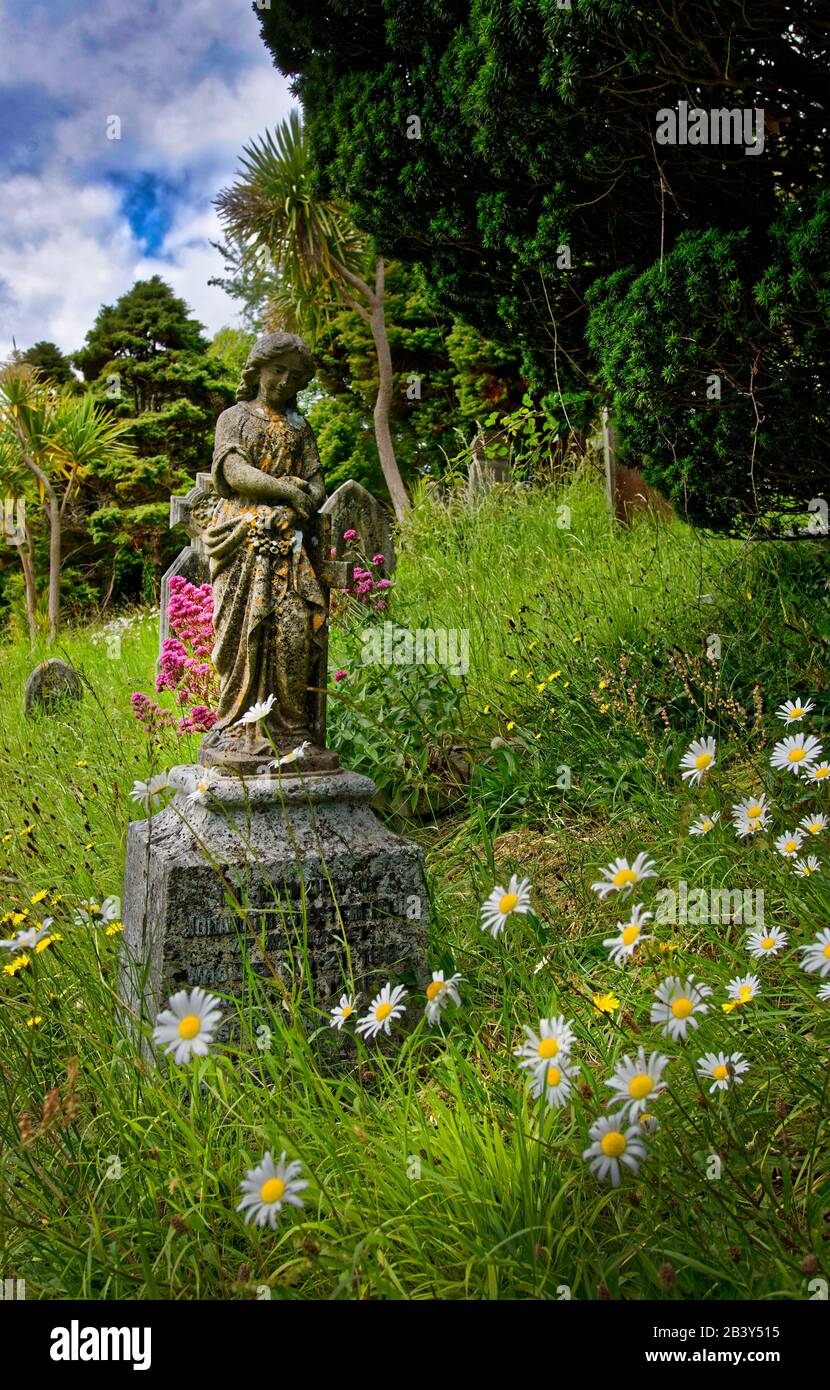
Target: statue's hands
299 501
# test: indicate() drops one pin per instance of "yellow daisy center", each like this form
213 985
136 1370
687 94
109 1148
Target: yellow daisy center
814 827
753 812
702 761
795 755
272 1190
791 846
548 1047
826 951
796 712
767 943
821 772
612 1143
707 825
640 1085
630 934
346 1010
434 988
681 1008
507 903
623 876
382 1011
745 993
554 1076
189 1026
720 1073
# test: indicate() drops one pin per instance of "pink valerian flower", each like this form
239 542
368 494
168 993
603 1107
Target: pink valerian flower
378 560
350 535
340 675
184 666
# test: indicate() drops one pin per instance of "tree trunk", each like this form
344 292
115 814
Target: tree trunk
383 434
27 560
54 566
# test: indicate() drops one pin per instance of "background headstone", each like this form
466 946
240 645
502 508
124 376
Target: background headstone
191 563
352 508
49 684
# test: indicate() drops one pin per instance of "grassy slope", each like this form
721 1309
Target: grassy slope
432 1173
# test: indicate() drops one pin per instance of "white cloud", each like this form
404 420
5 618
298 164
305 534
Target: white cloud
192 84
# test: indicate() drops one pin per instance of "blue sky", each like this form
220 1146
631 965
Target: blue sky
82 215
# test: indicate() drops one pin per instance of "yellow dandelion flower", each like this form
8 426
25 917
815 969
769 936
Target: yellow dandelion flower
511 725
540 687
81 763
27 830
603 685
34 1021
606 1003
749 596
38 897
668 946
537 735
114 928
578 637
8 836
18 917
514 672
47 941
486 709
91 845
553 675
19 963
533 644
603 709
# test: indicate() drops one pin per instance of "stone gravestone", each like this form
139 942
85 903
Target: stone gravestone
353 508
191 563
50 683
269 852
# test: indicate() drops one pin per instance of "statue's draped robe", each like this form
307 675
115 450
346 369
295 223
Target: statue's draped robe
269 609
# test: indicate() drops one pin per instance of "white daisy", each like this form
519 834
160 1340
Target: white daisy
294 756
649 1124
503 902
269 1187
148 793
553 1080
677 1003
96 913
439 994
818 772
202 793
614 1143
704 824
793 710
343 1011
740 991
789 843
817 954
804 867
188 1024
722 1069
796 754
766 942
750 815
698 759
385 1007
28 940
554 1040
620 876
630 936
636 1082
824 993
257 711
813 825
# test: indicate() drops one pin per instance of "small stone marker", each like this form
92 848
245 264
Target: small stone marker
51 683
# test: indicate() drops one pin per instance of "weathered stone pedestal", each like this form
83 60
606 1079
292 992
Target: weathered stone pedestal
294 872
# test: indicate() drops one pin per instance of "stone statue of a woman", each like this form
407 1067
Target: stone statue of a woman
270 607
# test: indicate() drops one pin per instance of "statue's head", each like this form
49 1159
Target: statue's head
278 366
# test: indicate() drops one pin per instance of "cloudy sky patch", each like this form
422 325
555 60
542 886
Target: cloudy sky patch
83 216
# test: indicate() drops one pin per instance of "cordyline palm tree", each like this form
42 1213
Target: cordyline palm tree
54 438
318 254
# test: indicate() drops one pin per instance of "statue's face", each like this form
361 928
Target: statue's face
276 384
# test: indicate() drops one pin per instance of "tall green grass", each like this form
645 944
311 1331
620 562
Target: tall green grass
432 1174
